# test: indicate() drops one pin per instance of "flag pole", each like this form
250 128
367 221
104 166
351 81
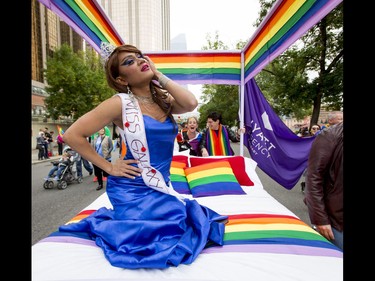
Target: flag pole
242 102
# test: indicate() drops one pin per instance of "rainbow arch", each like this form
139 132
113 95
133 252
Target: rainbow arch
287 21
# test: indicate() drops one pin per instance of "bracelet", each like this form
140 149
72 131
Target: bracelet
163 80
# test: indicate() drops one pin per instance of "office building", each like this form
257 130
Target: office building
143 23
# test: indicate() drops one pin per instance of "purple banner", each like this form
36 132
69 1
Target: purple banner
279 152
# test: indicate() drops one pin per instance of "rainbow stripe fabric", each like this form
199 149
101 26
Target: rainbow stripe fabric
178 178
284 24
61 131
81 215
88 19
200 67
270 233
212 179
257 233
218 143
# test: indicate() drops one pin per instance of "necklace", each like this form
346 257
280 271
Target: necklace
149 106
153 110
145 100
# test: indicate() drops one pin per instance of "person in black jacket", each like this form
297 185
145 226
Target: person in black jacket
48 138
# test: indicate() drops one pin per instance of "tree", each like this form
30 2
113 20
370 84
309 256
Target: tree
223 99
298 82
76 83
310 73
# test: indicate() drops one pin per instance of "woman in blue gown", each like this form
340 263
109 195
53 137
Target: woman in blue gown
150 225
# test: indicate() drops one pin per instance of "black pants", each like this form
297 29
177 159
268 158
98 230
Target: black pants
41 153
60 148
99 173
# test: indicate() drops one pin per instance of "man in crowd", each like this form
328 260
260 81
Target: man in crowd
324 181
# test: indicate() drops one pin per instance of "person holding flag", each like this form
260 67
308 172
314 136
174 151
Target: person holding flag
216 137
60 141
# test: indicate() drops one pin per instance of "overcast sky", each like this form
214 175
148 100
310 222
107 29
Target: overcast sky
233 20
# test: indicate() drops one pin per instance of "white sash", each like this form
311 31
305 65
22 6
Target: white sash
135 135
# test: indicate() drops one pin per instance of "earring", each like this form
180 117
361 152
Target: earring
129 92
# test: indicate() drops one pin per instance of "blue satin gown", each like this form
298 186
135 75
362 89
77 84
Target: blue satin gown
147 228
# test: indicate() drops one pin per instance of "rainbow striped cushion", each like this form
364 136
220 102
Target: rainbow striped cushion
212 179
178 178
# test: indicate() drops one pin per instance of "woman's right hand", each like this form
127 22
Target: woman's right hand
123 168
156 72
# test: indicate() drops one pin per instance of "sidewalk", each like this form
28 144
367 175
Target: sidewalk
34 157
34 154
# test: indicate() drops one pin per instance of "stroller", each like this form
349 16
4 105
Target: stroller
68 175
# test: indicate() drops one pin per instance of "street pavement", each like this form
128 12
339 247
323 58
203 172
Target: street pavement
34 157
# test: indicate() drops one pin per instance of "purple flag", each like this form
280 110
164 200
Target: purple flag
279 152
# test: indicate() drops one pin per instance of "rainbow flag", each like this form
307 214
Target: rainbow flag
60 130
88 19
284 24
213 67
218 143
257 233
